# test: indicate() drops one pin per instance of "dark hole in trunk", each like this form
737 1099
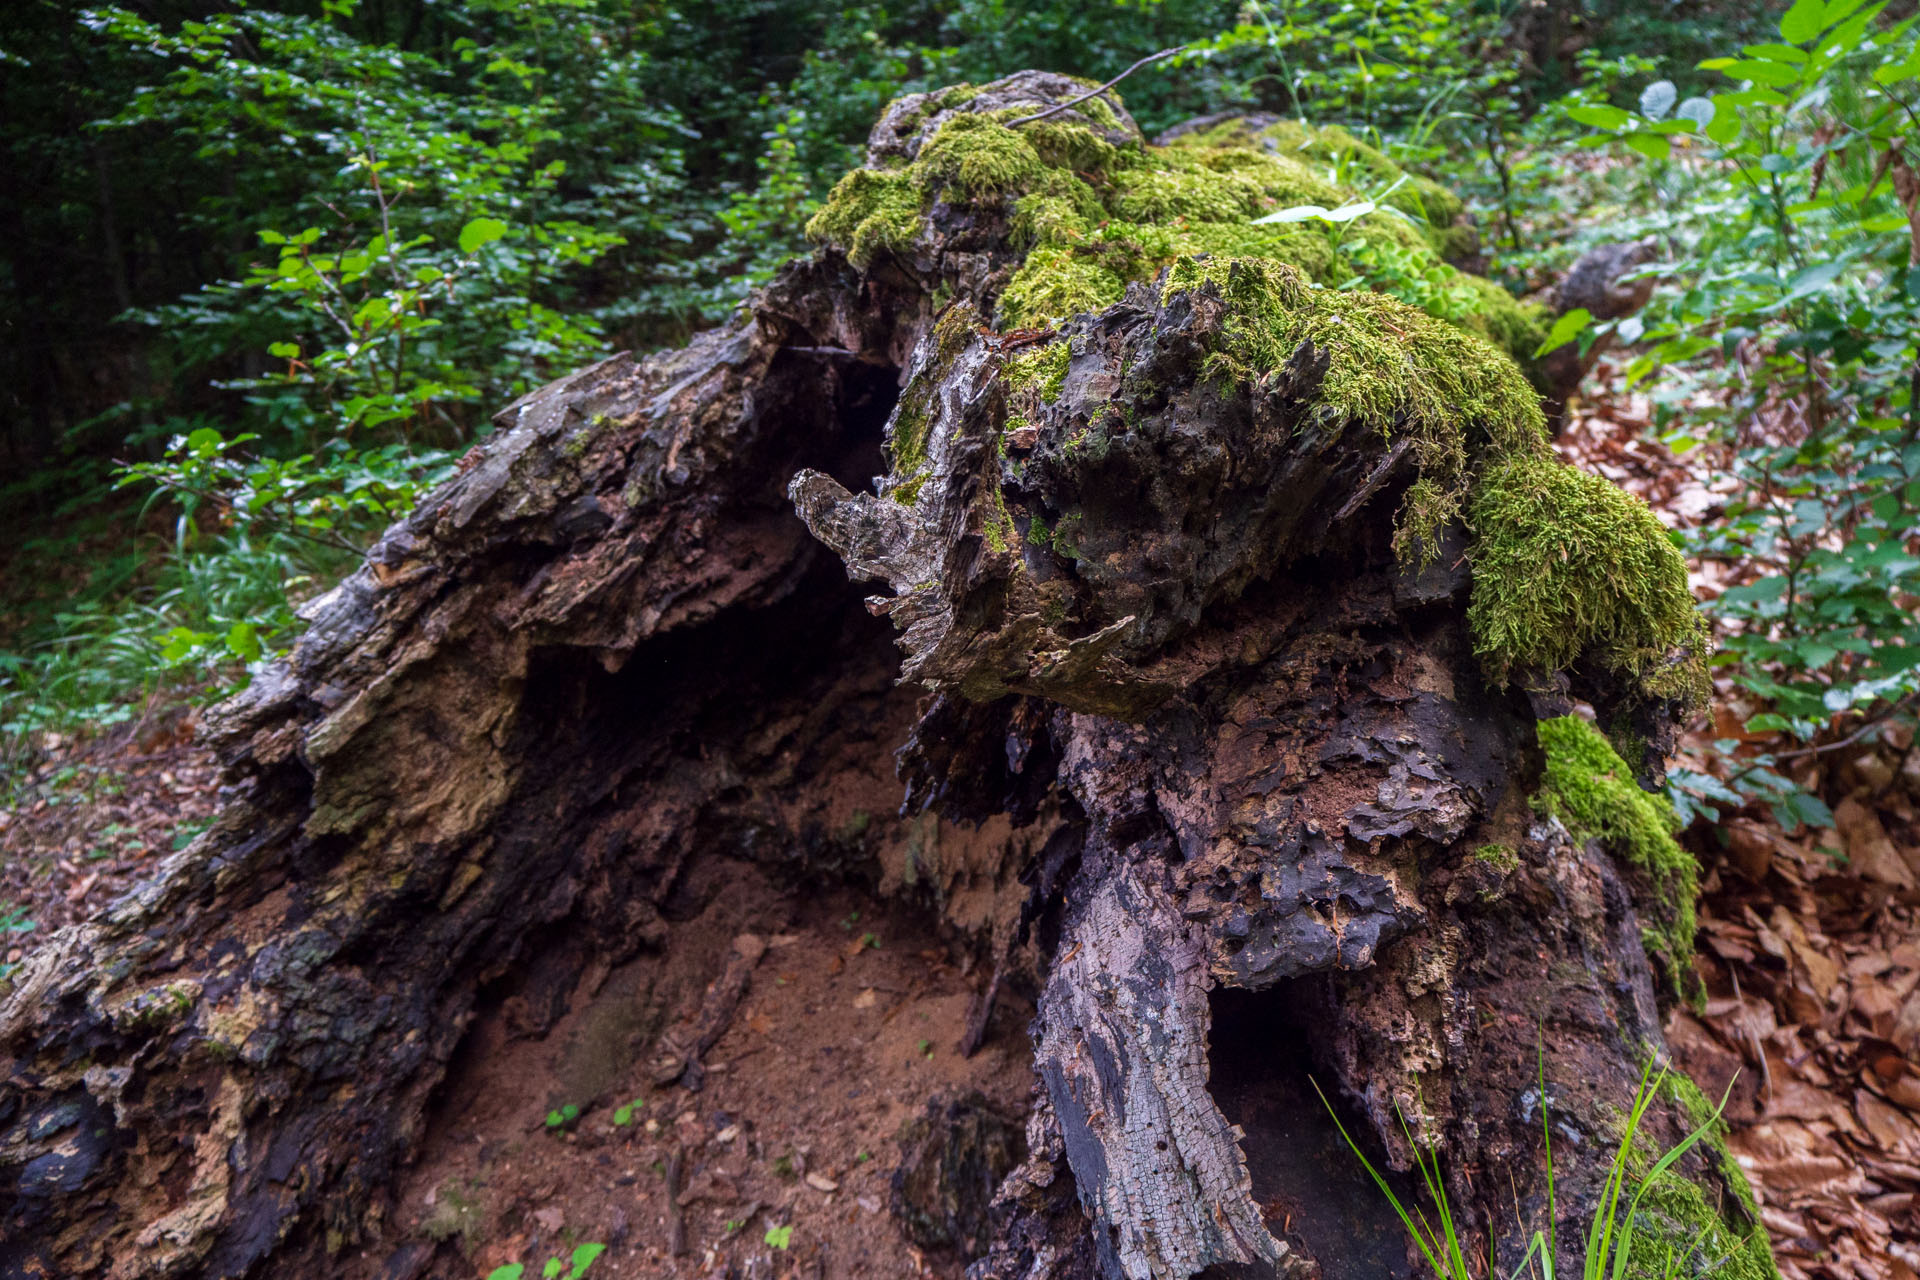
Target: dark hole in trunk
1311 1188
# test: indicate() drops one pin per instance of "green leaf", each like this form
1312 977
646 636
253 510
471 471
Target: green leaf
780 1237
552 1268
1768 73
1805 20
512 1271
481 231
1650 145
1775 53
583 1257
1725 126
1600 116
243 641
1565 330
284 350
204 442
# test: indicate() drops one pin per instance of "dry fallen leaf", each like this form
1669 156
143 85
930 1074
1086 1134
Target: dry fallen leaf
1869 851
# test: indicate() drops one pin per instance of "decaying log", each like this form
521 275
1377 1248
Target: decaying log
1165 626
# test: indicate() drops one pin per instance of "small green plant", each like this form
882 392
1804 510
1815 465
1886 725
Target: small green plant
12 920
780 1237
623 1115
573 1267
562 1117
1611 1234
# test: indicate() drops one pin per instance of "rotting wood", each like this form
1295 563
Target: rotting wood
685 1044
607 659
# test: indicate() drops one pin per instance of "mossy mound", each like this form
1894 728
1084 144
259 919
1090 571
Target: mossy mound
1091 217
1566 565
1590 789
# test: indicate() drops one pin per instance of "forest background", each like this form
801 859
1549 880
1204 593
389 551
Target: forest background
268 271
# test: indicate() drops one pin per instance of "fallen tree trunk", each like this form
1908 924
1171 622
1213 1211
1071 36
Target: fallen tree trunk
1241 595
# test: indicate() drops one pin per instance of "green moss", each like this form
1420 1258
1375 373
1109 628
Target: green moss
1042 369
1677 1219
1391 368
1675 1224
1056 282
1514 326
1590 789
1566 563
1699 1110
1500 857
907 439
1094 217
869 210
975 156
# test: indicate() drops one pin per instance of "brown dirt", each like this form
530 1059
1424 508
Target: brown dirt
847 1028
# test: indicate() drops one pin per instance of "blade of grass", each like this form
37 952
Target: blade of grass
1399 1209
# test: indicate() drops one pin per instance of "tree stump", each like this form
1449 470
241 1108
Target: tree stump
1244 596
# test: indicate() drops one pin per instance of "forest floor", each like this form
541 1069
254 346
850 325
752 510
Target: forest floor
784 1163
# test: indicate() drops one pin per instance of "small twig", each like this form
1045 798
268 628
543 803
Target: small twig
676 1215
1891 710
1372 483
1753 1037
980 1015
1094 93
684 1045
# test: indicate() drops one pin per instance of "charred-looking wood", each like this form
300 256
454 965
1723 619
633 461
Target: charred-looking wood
1200 609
